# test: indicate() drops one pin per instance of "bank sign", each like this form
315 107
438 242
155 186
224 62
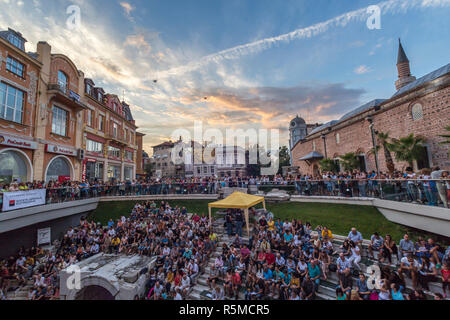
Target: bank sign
61 150
16 142
23 199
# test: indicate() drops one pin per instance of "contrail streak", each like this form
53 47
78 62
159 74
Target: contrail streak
390 6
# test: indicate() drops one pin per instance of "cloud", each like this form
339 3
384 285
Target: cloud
127 7
362 69
274 106
139 42
390 6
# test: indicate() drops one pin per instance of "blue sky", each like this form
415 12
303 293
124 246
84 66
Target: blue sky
190 47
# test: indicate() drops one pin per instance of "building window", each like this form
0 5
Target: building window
89 117
100 97
16 41
115 130
314 146
58 169
417 112
15 66
101 122
59 124
338 138
113 152
212 170
11 103
88 89
62 80
13 167
128 155
94 146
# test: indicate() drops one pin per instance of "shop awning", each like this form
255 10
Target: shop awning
312 156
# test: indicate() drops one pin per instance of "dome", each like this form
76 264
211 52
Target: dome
297 121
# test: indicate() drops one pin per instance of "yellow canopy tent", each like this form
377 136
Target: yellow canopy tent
238 200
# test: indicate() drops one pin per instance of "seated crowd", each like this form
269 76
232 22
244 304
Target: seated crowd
289 260
286 260
181 244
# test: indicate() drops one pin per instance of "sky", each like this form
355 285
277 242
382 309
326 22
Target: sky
237 64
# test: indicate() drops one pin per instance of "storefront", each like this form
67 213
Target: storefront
114 172
15 155
60 167
94 170
128 173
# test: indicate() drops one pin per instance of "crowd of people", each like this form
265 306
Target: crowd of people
287 260
284 260
430 187
181 244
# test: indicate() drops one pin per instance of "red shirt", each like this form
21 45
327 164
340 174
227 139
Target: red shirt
236 278
270 258
446 275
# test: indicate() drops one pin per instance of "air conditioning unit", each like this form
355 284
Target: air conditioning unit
81 154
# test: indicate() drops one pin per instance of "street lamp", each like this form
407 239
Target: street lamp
372 131
324 137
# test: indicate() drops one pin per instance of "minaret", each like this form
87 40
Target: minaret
404 71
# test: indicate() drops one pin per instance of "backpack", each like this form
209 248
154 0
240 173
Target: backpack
332 267
374 296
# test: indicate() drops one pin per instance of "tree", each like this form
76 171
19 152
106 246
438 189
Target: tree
383 139
350 161
446 136
148 168
285 158
408 149
328 165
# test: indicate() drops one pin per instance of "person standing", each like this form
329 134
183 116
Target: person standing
239 222
229 223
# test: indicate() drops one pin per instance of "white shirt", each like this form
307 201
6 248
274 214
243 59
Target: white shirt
178 296
405 261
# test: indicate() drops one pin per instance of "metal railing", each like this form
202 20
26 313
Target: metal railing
434 192
427 192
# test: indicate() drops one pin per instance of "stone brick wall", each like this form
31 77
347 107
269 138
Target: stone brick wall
394 117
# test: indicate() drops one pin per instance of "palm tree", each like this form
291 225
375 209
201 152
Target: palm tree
383 138
408 148
328 165
350 161
446 136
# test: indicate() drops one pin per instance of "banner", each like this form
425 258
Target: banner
23 199
44 236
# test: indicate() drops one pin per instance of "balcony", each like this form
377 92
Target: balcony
66 96
118 138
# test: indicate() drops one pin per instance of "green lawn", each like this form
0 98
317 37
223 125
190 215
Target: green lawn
339 218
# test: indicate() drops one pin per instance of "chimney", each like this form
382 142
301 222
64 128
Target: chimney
44 51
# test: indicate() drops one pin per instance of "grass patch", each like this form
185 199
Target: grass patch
114 210
340 218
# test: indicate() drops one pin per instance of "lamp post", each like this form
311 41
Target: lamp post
372 131
324 137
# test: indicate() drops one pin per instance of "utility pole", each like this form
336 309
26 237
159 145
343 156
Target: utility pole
374 142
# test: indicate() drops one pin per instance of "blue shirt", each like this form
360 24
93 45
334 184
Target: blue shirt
355 237
288 237
268 275
313 272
